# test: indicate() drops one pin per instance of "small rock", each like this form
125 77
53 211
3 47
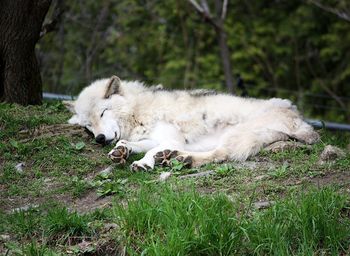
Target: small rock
106 171
263 204
331 153
164 176
5 237
109 226
19 167
47 180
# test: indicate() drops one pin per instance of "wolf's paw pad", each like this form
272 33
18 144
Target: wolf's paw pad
119 154
185 160
163 157
137 166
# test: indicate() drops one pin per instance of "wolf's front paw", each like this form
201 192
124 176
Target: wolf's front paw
119 154
140 166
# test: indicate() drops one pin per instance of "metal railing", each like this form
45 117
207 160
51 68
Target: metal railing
54 96
328 125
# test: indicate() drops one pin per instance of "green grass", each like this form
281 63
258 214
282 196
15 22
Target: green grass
14 117
45 157
60 222
53 222
53 230
306 224
171 221
33 248
304 161
209 215
25 224
174 219
163 222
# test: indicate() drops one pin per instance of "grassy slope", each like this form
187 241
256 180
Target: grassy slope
207 216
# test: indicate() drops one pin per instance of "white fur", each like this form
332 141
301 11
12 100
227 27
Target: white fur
208 128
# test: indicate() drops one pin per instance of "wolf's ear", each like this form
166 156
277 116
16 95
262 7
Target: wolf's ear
69 104
113 87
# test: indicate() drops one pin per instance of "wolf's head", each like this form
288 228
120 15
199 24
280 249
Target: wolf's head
100 108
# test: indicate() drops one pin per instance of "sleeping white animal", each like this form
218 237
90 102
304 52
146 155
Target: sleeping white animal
195 127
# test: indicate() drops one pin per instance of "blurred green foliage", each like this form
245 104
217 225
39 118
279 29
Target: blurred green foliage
282 48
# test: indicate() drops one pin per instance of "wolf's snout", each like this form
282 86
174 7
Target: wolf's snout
101 139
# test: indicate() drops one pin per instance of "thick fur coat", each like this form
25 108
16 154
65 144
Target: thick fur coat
195 127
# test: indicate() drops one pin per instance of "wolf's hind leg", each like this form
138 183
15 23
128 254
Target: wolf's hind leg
237 146
243 144
188 158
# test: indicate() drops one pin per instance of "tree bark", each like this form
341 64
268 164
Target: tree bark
223 47
218 24
20 26
225 58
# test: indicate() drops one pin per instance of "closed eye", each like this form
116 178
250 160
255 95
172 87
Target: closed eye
103 112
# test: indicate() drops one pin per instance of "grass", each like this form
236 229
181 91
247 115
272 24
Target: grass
53 222
210 215
307 224
38 230
61 222
174 219
182 223
49 156
32 249
169 221
23 223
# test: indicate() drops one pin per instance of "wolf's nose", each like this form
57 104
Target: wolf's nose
101 139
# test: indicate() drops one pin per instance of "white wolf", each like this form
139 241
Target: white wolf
195 127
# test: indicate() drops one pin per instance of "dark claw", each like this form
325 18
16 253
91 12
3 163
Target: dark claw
180 158
187 161
173 154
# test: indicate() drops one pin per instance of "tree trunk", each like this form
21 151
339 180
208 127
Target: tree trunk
225 58
218 23
20 25
223 47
